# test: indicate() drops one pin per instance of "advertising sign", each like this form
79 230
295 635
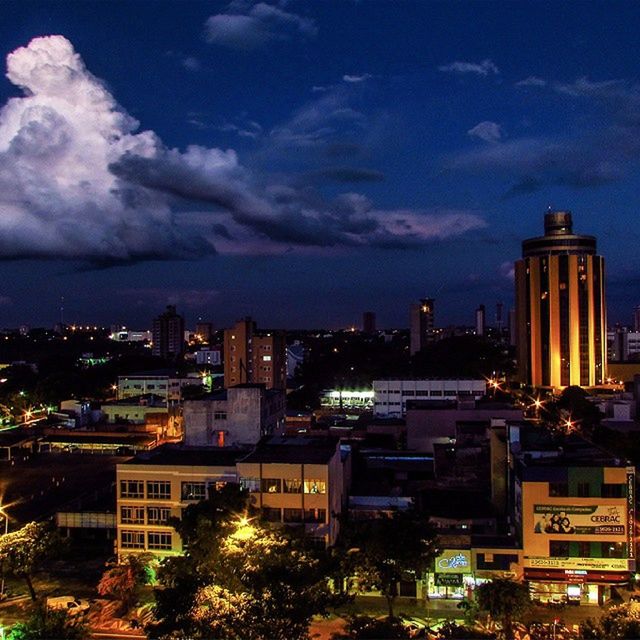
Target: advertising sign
594 519
448 579
453 561
592 564
631 510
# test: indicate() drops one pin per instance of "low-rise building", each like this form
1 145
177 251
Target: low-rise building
390 397
156 487
164 383
574 510
298 482
134 409
240 415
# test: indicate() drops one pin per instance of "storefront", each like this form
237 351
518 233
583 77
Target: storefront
452 576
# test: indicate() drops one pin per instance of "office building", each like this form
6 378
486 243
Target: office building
390 397
560 306
369 322
574 513
168 334
255 357
480 320
422 324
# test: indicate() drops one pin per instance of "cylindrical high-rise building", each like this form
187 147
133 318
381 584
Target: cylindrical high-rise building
560 307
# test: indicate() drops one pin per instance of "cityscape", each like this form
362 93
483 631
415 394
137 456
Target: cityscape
319 320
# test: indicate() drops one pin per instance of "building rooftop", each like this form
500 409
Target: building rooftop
145 399
176 455
293 450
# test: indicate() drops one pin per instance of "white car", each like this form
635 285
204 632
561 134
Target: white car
73 605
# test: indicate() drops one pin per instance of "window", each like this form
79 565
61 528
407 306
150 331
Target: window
315 486
292 485
132 515
584 549
271 485
194 491
250 484
266 358
558 549
558 489
159 540
218 485
271 514
219 415
158 515
408 392
613 490
583 489
132 539
292 515
315 515
131 489
436 393
157 490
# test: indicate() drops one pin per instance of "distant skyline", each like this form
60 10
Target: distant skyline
303 162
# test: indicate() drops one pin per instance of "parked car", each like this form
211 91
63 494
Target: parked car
73 605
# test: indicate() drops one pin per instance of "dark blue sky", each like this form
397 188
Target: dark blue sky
306 161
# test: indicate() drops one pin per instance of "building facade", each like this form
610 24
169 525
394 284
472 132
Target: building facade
240 415
421 324
254 357
560 306
390 397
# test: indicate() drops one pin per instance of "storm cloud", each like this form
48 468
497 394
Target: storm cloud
78 181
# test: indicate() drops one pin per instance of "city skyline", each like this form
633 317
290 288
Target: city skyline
304 162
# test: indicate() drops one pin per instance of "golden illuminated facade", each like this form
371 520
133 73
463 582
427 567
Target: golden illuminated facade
560 307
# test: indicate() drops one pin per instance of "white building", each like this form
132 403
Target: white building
168 386
390 396
212 357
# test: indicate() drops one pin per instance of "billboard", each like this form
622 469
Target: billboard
585 564
559 519
453 561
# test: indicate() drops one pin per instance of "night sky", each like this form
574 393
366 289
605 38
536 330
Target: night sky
303 162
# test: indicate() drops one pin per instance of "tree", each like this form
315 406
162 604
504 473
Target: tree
504 600
382 551
122 581
618 623
47 623
368 628
238 577
23 552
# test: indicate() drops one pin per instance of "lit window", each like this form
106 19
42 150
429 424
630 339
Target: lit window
292 485
194 491
132 515
271 485
315 486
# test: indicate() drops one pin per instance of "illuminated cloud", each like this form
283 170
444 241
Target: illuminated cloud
78 181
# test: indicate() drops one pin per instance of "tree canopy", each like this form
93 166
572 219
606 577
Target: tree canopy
504 600
238 577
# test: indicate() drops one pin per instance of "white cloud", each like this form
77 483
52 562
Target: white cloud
532 81
487 131
356 79
191 64
484 68
247 27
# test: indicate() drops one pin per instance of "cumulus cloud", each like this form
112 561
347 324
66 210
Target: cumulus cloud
245 26
487 131
78 182
484 68
597 155
532 81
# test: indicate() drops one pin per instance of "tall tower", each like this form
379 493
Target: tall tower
560 308
168 334
480 320
421 324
